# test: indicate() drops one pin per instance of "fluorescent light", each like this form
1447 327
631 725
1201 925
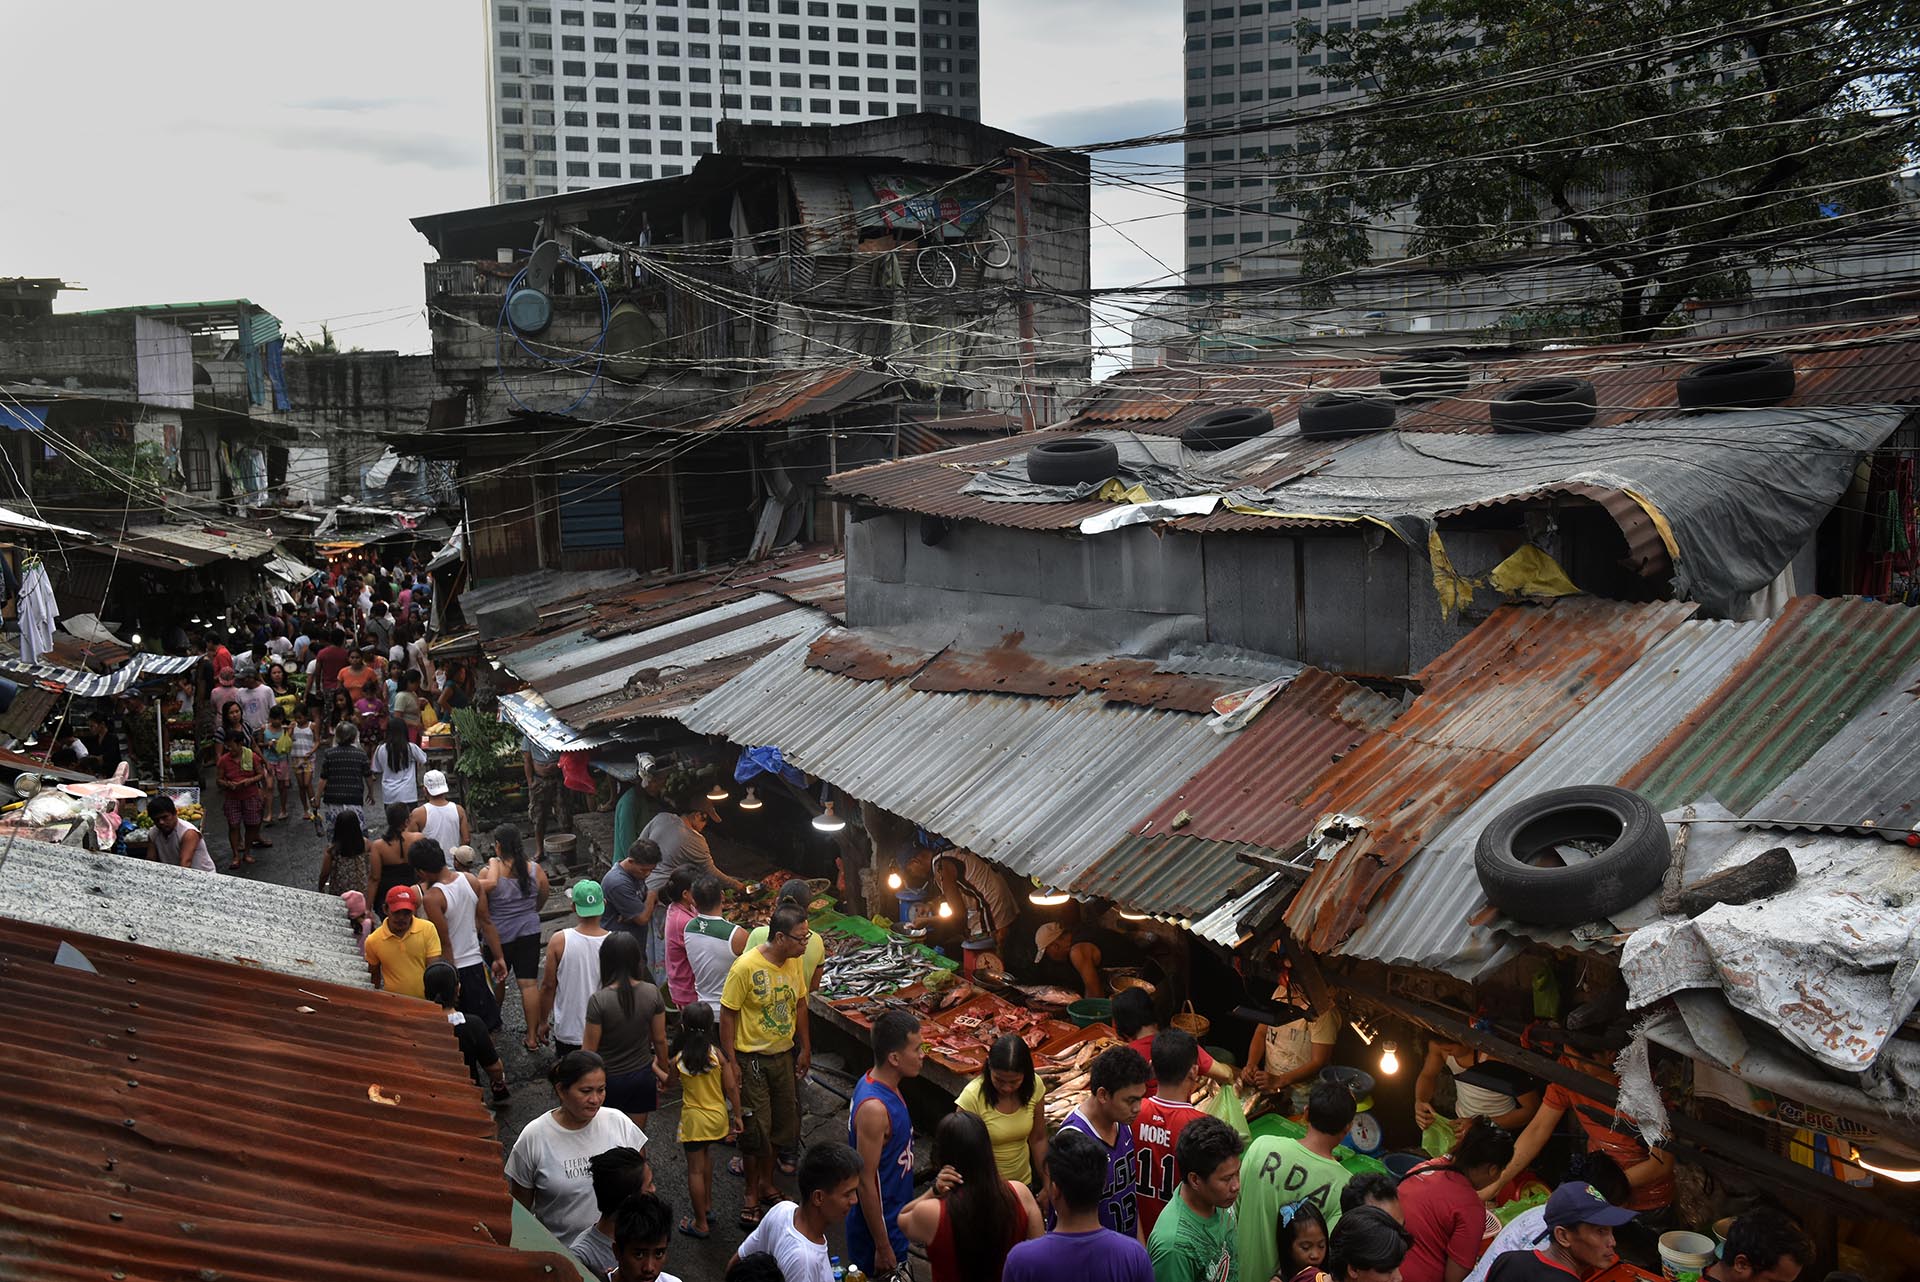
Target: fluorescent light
1880 1163
749 802
1127 914
827 821
1048 897
717 793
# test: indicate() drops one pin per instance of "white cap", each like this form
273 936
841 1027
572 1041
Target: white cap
436 783
1044 937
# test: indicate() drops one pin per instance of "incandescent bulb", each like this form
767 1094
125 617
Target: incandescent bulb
946 909
893 881
1389 1059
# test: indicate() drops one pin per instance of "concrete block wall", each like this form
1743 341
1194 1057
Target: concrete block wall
76 351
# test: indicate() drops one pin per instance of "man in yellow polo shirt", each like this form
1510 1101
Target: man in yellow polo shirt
399 951
763 1022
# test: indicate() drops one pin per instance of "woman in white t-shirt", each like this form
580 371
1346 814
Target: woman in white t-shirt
1283 1055
548 1168
397 763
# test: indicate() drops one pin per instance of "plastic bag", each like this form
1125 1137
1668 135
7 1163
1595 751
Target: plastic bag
1438 1138
1225 1105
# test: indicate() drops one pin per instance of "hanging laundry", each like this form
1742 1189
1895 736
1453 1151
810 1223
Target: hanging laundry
36 610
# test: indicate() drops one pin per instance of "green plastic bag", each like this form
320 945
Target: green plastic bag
1225 1105
1438 1138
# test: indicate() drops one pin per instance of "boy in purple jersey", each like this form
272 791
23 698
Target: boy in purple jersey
1116 1084
1079 1246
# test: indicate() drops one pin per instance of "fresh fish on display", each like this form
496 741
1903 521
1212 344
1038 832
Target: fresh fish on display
873 970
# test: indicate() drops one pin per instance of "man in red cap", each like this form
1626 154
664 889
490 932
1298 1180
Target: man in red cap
398 953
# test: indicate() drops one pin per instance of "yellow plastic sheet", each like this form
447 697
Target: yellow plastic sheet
1531 572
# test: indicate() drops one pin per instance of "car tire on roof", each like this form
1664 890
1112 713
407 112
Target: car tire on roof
1543 405
1336 414
1224 429
1745 382
1072 460
1427 375
1621 827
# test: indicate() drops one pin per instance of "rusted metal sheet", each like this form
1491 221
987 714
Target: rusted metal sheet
1822 664
172 1117
1486 704
805 393
1252 792
1010 668
1865 779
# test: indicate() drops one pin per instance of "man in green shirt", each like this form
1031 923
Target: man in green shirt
1281 1170
1194 1239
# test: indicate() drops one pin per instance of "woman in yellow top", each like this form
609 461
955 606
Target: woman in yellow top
709 1107
1007 1096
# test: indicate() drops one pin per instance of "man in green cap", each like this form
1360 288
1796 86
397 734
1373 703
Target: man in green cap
572 972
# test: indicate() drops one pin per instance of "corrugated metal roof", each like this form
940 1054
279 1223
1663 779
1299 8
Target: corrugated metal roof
1487 704
799 394
170 1117
1257 790
1010 668
1867 778
1430 916
1045 787
201 545
658 671
1823 663
1853 366
230 919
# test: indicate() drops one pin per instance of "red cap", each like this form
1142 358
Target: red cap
403 897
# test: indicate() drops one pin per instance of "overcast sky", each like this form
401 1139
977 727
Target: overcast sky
196 150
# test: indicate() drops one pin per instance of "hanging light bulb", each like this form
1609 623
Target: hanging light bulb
1899 1169
946 909
196 620
135 638
1048 897
1127 914
827 821
893 881
1389 1059
717 793
749 802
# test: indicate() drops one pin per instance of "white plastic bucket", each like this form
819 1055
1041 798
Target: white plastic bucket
1685 1256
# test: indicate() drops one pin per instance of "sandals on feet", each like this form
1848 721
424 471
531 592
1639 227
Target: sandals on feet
750 1217
686 1227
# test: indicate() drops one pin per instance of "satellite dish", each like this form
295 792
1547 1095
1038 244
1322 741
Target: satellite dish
539 269
529 311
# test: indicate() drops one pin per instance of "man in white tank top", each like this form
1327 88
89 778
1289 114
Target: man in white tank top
572 970
442 819
457 908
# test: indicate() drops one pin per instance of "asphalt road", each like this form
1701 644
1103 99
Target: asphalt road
294 860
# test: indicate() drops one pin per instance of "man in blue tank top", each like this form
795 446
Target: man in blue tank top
879 1128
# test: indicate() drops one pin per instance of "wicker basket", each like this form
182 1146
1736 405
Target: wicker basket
1187 1021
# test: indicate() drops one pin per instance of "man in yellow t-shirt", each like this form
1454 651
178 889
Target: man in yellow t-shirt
763 1020
399 951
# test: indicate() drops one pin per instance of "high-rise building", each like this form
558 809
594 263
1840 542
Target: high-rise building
1244 68
581 93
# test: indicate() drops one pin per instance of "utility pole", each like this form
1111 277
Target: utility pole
1022 212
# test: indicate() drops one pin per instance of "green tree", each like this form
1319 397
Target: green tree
1676 144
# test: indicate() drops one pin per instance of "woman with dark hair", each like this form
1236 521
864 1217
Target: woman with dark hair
1007 1097
397 764
548 1168
1440 1204
1367 1245
627 1019
516 889
340 709
972 1215
387 863
343 866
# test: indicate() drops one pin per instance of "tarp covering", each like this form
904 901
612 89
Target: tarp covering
1740 492
93 685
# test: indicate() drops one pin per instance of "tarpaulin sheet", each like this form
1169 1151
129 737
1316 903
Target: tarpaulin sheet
1740 491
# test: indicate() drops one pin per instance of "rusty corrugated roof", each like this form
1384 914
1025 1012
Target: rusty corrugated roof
1486 704
1823 663
799 394
1010 668
172 1117
1854 365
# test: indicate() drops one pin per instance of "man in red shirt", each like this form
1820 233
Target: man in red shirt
1134 1020
1648 1170
1163 1115
332 657
1440 1205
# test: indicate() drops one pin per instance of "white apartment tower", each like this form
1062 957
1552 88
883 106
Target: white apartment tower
1244 68
582 93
